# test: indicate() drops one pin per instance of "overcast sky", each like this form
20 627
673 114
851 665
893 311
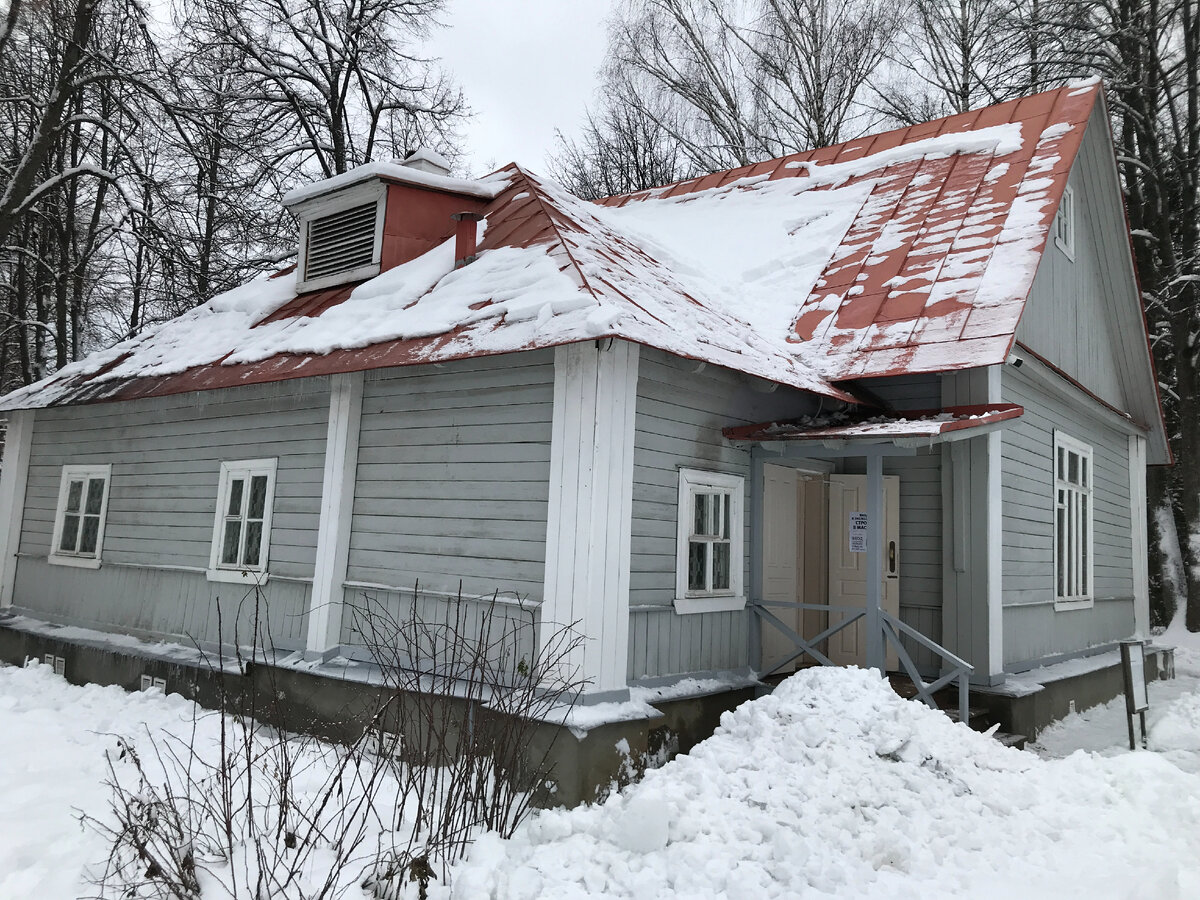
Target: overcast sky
527 67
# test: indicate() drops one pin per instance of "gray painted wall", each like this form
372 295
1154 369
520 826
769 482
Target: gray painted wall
1067 319
166 455
390 627
1032 628
681 408
453 477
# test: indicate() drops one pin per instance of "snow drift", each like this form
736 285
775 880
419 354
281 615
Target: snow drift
834 786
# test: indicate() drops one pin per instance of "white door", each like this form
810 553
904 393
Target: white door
848 570
781 559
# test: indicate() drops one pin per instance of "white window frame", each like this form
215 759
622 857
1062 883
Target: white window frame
1064 224
1083 550
333 203
243 468
60 557
691 483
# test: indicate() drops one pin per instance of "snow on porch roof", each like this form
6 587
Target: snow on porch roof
908 251
931 425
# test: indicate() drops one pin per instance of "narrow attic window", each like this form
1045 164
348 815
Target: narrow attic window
340 238
1064 224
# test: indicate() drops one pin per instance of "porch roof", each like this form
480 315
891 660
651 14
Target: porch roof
932 425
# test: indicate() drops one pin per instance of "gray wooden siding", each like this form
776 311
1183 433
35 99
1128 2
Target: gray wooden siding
681 409
158 604
453 476
419 627
920 516
1028 555
166 455
1067 319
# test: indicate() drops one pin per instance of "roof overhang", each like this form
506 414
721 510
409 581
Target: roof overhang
910 429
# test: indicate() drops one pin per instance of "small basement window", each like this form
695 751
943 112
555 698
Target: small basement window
1064 224
1073 556
341 238
79 521
709 558
242 531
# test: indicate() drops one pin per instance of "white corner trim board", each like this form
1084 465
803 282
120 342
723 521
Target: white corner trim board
14 472
1139 523
337 507
590 514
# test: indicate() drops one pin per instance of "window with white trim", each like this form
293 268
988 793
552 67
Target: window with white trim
1073 556
242 532
79 520
1064 223
709 558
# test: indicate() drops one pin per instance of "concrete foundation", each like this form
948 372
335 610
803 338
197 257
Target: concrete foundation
1031 713
584 767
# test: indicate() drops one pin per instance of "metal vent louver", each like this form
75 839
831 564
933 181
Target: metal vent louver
341 241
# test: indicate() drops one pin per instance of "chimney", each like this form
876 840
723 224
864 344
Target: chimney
465 237
423 159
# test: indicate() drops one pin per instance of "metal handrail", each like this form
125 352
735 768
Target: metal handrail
892 628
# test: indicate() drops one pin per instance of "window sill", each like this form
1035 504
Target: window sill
237 576
78 562
688 605
1068 605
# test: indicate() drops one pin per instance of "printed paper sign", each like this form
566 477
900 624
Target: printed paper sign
858 532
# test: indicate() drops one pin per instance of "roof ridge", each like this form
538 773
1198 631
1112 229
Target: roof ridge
797 156
535 191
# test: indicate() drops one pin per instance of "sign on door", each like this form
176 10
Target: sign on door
858 532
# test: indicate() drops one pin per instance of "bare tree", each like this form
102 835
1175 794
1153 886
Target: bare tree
694 86
344 78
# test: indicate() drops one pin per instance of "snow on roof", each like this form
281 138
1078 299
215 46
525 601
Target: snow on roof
902 252
933 272
395 170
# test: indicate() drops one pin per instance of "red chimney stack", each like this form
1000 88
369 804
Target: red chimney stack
465 237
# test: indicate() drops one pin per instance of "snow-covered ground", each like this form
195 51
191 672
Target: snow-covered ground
830 787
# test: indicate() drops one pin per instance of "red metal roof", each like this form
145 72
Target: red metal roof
931 274
921 281
923 424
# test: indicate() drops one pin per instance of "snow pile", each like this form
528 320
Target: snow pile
834 786
1179 726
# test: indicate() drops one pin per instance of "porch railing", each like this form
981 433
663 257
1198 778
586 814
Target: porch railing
953 668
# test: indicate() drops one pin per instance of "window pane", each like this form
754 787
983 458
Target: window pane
720 567
235 497
1062 465
697 560
253 543
1083 471
1061 527
229 547
701 516
1085 542
74 495
95 496
726 503
1073 468
70 533
258 496
87 540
